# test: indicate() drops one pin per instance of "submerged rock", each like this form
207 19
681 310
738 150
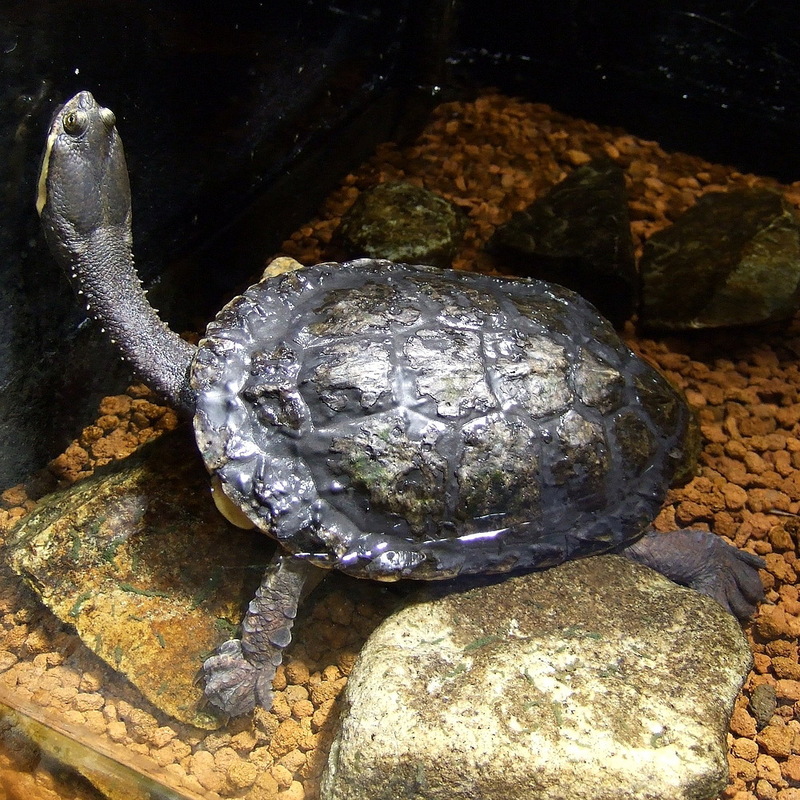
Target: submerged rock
577 235
138 559
403 223
731 259
595 680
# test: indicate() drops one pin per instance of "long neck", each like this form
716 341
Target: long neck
103 275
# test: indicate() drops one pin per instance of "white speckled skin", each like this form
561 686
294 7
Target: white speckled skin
89 233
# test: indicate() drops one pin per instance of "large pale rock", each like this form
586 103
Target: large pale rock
598 679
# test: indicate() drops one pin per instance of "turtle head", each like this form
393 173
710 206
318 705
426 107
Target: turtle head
84 201
83 182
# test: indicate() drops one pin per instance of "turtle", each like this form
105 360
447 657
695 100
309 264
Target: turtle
388 420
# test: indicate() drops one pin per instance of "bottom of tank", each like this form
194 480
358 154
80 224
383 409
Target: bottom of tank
73 728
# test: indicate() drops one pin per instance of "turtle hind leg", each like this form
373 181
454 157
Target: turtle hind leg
703 561
238 677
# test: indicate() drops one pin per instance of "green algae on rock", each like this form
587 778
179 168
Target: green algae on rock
402 222
141 563
578 235
731 259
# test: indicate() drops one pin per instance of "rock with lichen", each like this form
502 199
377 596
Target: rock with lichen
731 259
763 702
578 235
595 680
403 223
140 562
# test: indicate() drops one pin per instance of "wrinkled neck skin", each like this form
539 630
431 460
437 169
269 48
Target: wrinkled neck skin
100 267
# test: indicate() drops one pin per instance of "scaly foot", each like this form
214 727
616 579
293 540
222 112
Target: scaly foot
233 684
704 562
238 677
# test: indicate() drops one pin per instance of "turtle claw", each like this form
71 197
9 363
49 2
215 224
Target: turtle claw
732 579
238 677
704 562
234 685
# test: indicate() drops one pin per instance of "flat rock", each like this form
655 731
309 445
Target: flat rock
140 562
578 235
403 223
595 680
732 259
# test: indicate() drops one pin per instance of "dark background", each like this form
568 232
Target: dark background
239 118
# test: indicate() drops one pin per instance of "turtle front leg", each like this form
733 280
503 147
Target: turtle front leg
238 677
703 561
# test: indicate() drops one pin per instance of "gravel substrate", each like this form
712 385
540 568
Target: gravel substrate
491 157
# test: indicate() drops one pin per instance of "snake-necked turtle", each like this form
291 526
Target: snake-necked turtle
386 420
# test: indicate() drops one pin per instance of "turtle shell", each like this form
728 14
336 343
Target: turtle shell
397 421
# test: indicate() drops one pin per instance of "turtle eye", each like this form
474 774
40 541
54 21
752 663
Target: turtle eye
108 117
75 122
